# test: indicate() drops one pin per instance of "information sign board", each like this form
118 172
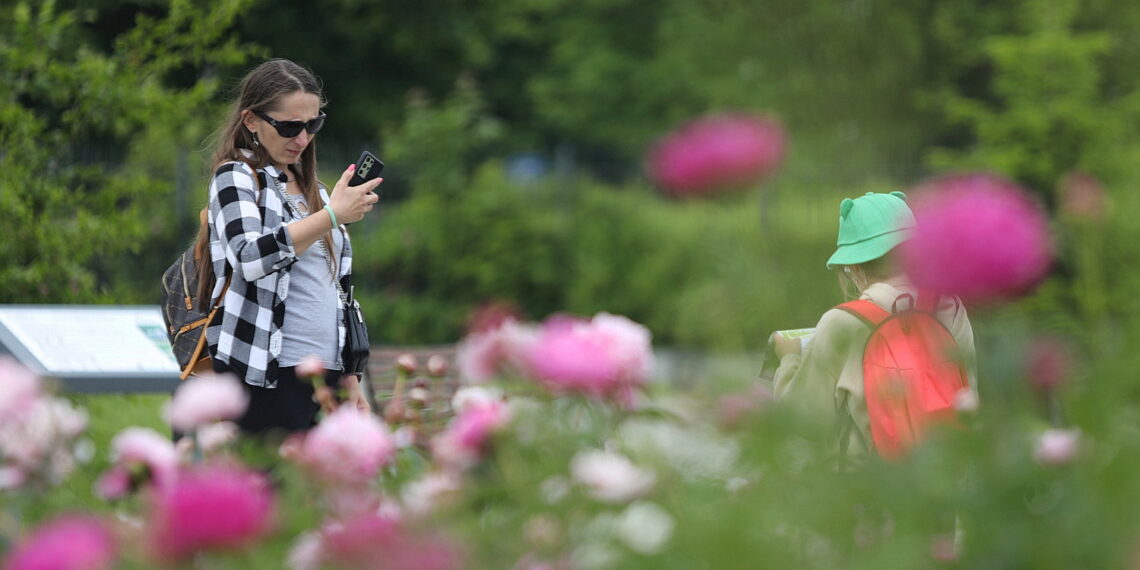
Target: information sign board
92 348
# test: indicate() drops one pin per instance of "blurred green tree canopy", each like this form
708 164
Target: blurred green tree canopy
68 213
106 108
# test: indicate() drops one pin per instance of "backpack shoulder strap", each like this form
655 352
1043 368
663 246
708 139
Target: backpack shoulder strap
866 311
927 301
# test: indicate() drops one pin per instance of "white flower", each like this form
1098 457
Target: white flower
645 527
695 454
421 496
1057 446
966 401
307 552
610 477
467 396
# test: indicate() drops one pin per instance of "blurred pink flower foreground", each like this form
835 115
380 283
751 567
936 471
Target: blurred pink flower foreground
347 448
19 389
370 542
468 437
72 542
607 357
978 236
206 399
715 153
139 456
214 507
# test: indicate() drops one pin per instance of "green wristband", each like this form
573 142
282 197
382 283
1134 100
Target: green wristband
332 215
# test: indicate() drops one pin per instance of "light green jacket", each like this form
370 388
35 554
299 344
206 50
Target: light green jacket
826 380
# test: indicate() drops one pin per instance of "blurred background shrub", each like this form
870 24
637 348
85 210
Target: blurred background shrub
514 134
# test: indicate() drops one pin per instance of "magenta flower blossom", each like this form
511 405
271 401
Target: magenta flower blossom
69 542
347 448
206 399
978 236
715 153
371 541
607 357
213 507
139 456
468 436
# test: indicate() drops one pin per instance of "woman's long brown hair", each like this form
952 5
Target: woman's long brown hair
261 90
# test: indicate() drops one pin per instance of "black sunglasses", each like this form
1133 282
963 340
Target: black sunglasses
290 129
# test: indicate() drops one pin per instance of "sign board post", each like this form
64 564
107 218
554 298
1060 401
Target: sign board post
92 348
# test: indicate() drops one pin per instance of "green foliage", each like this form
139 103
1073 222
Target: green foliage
1049 106
61 97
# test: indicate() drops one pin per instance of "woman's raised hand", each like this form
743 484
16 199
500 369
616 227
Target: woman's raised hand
350 203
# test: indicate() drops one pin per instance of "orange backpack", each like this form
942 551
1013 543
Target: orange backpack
911 371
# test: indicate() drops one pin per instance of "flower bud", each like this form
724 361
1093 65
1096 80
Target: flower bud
437 365
406 363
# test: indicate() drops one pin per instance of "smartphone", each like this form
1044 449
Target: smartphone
368 166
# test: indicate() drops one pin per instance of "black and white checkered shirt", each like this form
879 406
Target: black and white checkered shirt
247 224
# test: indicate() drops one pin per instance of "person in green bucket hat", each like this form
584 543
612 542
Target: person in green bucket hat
870 226
822 374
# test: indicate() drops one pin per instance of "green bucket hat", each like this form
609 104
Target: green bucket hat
870 226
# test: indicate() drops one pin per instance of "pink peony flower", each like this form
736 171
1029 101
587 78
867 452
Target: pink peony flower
736 409
611 477
307 552
310 366
213 507
115 483
466 439
481 356
217 435
19 388
715 153
607 357
139 455
978 236
373 541
421 496
406 363
468 396
1057 446
206 399
347 448
38 445
491 315
69 542
1048 363
1081 197
437 365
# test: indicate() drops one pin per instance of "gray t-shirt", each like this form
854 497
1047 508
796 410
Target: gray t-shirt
310 327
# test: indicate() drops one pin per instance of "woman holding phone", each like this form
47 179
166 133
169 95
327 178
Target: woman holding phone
280 253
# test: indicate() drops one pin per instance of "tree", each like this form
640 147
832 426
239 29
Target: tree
1050 100
67 215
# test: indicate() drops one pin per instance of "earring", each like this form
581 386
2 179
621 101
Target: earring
255 141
